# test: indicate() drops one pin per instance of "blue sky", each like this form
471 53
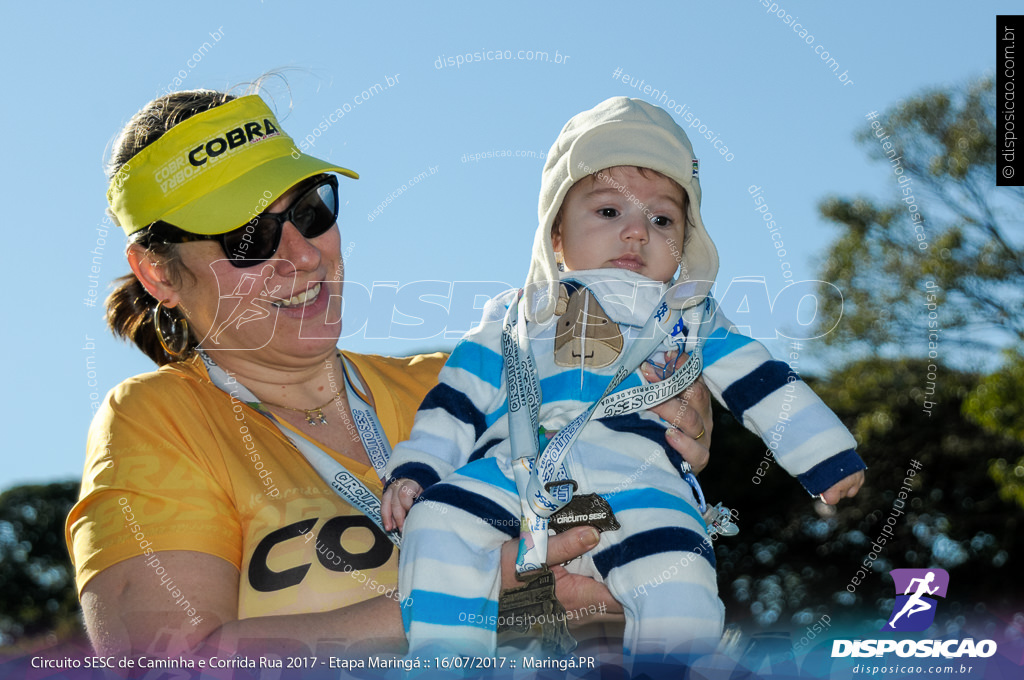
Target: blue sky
75 74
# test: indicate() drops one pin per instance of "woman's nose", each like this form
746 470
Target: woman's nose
297 249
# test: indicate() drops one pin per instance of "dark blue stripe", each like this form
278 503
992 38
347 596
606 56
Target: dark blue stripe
675 458
421 473
652 542
475 504
755 386
829 471
634 424
457 404
483 449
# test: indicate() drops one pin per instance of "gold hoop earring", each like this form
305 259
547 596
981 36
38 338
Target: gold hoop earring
181 335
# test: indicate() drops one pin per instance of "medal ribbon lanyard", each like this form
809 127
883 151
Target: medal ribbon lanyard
536 473
349 487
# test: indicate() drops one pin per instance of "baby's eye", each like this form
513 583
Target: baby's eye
661 221
608 212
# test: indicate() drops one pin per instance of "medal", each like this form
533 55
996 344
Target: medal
533 607
588 509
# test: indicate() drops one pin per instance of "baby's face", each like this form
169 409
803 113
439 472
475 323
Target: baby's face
623 220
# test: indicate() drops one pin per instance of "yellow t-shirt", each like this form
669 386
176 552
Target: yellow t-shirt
174 464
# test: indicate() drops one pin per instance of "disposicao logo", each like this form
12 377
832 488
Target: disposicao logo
914 609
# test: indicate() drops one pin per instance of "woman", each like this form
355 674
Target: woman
228 498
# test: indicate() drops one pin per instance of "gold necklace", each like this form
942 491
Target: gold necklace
315 415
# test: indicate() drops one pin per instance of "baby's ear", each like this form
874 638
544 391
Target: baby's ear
556 231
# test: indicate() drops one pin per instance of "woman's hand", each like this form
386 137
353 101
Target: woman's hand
581 595
689 417
588 599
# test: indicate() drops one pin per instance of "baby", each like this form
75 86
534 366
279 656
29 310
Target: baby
619 217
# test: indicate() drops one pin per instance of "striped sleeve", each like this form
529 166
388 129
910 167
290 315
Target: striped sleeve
769 398
452 417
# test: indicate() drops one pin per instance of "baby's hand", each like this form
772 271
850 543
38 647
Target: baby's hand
844 488
396 502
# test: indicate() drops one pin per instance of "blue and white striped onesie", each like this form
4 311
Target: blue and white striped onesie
459 452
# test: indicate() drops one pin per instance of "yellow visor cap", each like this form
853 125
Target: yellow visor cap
213 172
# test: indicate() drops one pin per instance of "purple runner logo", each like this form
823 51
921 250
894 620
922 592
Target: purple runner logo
914 610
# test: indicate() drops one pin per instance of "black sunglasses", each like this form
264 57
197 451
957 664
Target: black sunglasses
313 213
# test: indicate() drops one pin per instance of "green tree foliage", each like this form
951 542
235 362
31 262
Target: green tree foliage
939 151
793 559
997 404
37 592
937 270
946 231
